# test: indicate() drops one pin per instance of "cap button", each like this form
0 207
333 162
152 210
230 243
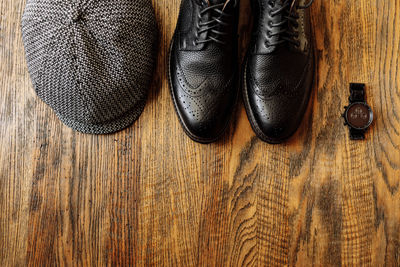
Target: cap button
76 16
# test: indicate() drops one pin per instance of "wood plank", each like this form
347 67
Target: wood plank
150 196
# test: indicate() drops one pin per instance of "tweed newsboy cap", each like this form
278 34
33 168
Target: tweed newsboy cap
91 61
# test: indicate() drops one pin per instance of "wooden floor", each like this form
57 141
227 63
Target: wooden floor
150 196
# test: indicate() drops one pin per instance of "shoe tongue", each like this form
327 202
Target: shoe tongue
292 3
215 2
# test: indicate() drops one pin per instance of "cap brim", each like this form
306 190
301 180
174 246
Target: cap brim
110 127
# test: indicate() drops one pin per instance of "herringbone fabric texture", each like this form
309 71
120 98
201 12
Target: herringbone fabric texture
91 60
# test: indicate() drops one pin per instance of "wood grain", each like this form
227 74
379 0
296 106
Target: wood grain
150 196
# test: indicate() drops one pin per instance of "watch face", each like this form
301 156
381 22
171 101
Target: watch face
359 116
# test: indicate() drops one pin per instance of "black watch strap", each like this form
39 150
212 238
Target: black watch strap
357 92
357 134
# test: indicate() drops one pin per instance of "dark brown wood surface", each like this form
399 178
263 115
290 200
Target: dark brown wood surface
150 196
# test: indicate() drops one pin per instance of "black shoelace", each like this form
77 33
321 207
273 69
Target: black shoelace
288 24
215 25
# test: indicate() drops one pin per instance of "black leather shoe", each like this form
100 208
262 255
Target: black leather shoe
203 67
279 68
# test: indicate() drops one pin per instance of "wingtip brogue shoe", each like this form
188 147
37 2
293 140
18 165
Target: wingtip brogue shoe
203 67
279 68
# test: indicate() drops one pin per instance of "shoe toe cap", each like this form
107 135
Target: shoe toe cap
203 121
277 118
204 116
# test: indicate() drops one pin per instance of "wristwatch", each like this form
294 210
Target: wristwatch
358 115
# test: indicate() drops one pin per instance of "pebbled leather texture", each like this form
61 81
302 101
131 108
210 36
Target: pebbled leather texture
203 76
277 79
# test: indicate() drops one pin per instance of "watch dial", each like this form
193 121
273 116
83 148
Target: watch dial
359 116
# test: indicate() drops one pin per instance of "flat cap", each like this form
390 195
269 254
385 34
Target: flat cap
91 61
